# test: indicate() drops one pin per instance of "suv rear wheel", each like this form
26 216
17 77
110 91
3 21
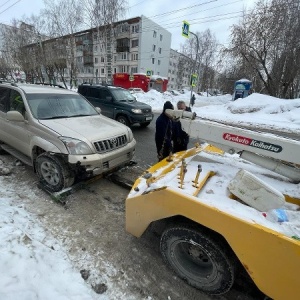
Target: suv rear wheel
53 173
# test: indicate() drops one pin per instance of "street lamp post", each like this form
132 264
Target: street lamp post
196 68
185 32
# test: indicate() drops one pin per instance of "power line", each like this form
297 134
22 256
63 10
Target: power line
138 3
171 25
4 3
204 10
1 12
177 10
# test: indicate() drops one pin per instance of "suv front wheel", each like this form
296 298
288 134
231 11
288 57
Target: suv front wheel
123 119
53 173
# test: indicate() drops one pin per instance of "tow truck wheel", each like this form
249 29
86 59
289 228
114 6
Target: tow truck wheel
123 120
198 259
53 173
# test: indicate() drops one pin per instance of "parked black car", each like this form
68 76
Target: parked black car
117 103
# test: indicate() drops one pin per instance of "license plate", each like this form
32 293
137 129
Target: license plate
148 118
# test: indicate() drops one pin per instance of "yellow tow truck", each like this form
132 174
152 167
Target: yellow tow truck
220 203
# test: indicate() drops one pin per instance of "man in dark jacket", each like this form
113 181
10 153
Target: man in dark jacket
180 137
164 133
193 100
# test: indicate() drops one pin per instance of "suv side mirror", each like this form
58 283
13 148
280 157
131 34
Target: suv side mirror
14 115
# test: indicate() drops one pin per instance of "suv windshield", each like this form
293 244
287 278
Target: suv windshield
45 106
123 95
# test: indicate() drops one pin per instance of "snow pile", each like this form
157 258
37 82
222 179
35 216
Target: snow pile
33 264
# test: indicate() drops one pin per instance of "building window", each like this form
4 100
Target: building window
135 28
153 60
96 48
124 28
153 48
96 72
154 34
160 37
158 62
134 56
123 56
96 60
115 58
102 71
123 69
134 43
102 59
159 50
133 70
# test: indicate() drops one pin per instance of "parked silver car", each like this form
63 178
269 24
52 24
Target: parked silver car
60 134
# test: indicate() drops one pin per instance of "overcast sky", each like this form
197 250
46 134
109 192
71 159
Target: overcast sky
217 15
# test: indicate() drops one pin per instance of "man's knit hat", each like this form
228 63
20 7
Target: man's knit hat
168 105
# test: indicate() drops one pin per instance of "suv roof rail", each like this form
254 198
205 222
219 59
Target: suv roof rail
97 84
8 81
50 84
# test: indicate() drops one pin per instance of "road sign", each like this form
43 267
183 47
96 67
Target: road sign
185 29
194 79
148 73
131 78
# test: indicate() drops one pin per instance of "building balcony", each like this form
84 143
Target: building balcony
122 48
88 61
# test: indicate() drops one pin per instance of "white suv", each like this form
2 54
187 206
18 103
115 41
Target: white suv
60 134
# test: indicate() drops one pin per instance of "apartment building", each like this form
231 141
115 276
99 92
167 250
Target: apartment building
179 71
136 45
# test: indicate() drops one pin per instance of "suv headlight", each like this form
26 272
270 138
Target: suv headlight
75 146
136 110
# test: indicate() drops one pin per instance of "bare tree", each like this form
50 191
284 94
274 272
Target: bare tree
207 55
65 18
203 52
267 42
15 38
101 15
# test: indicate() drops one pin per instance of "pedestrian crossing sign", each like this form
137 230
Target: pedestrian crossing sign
148 73
194 79
185 29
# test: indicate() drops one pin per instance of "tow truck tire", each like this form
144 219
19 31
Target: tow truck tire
123 119
53 173
198 259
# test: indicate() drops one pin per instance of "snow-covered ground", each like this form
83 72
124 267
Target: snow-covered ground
257 109
34 266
